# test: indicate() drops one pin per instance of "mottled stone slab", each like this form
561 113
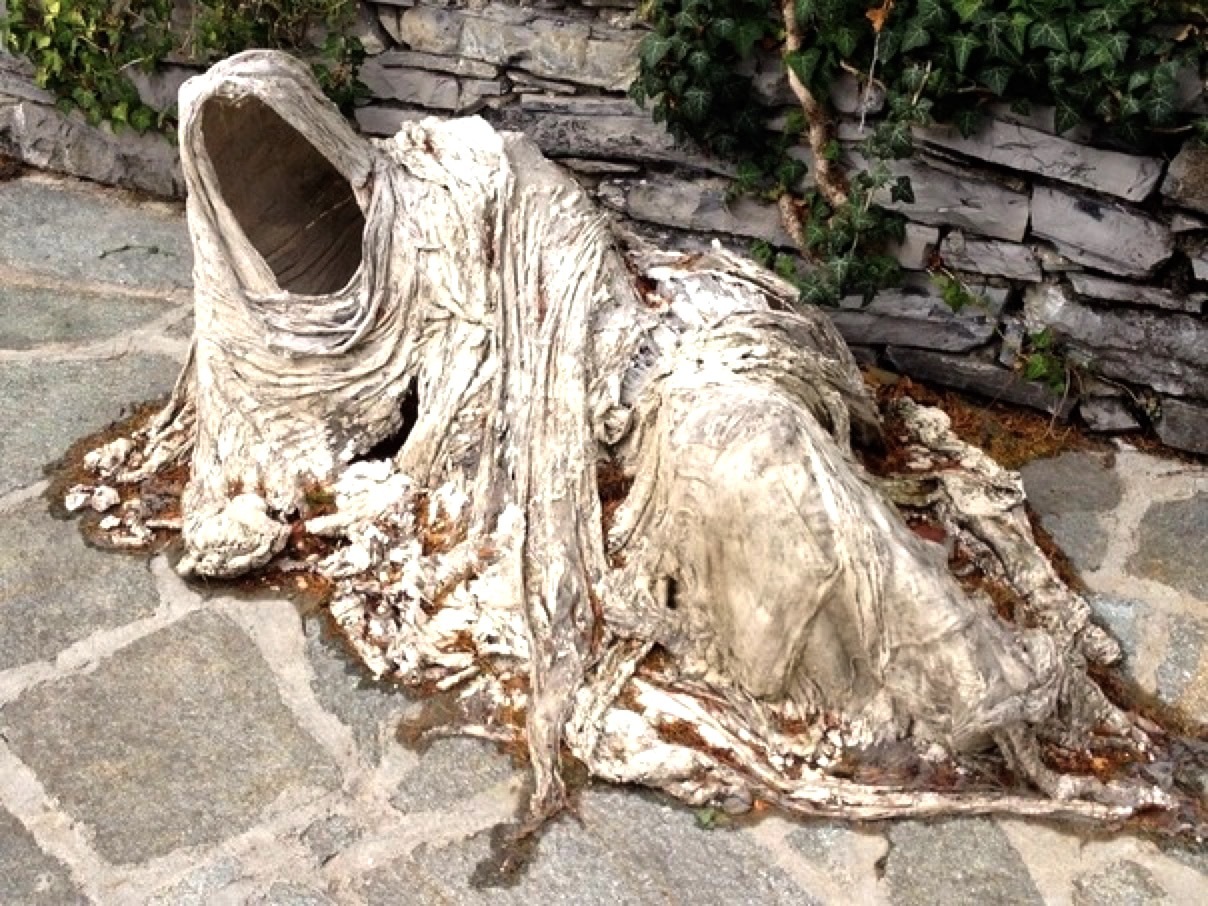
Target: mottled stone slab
917 315
549 46
377 120
1068 492
984 378
1162 552
1108 290
55 591
179 739
956 863
990 257
1020 148
1122 883
202 885
28 876
1072 483
1163 350
410 59
76 233
1184 425
46 406
1108 415
627 848
47 138
613 129
915 251
433 90
1185 646
37 317
703 205
450 771
1101 235
1186 181
964 200
368 707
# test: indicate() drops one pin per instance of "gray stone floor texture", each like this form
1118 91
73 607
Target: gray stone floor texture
158 746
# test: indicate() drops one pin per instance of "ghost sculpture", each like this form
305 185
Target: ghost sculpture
601 498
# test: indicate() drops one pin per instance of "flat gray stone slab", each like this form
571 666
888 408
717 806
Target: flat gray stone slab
75 233
55 591
629 848
46 406
1071 483
1184 649
344 687
1068 492
36 317
179 739
956 863
1123 883
449 771
1170 549
27 875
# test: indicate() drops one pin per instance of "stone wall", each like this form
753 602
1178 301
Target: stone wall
1106 249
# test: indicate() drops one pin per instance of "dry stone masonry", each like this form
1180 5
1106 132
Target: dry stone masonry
1108 250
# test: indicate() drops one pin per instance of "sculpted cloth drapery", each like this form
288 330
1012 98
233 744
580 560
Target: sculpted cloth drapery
453 293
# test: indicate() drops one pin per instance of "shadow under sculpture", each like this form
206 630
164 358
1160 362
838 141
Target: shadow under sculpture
751 619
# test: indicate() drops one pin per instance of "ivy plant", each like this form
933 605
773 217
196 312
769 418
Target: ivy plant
1111 65
81 51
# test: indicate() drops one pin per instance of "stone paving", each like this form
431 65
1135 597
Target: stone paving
158 745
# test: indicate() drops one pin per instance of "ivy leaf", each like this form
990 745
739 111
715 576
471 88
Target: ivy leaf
1065 117
967 9
1017 31
914 36
696 102
1137 80
963 45
724 29
699 62
968 122
996 78
746 35
902 190
806 9
1159 103
688 21
804 63
1049 34
845 40
655 49
931 14
1103 50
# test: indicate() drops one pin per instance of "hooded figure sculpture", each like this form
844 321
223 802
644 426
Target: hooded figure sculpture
454 298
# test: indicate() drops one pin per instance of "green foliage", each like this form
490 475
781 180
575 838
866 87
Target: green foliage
1042 360
1112 65
312 29
81 50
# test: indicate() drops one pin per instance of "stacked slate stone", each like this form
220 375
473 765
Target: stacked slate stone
1106 250
1049 232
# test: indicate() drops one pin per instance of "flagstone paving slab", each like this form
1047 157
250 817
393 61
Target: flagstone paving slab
1172 548
55 590
176 740
955 863
46 406
28 876
71 231
32 316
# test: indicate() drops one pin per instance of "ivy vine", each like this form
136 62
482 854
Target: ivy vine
83 50
1111 65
